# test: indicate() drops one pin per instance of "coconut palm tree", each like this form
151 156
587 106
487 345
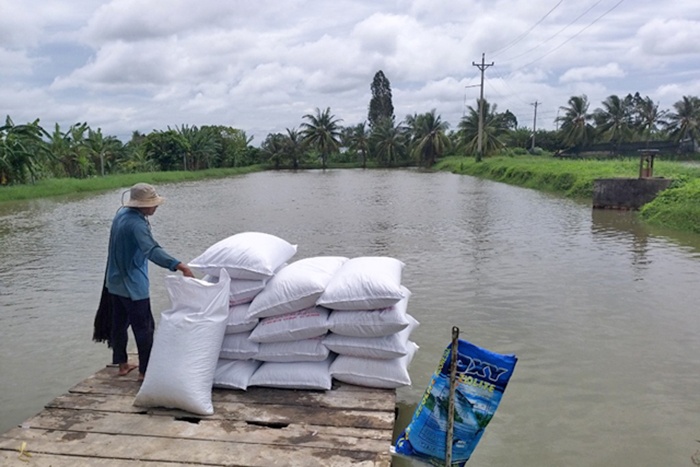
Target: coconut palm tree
388 141
496 126
684 123
575 127
614 121
358 140
294 147
428 137
274 148
322 132
647 117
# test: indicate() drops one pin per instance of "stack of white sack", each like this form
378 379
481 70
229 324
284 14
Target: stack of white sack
251 259
369 324
289 334
300 324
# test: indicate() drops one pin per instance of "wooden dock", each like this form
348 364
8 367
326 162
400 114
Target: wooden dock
95 424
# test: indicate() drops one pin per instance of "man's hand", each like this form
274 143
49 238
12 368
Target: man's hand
182 267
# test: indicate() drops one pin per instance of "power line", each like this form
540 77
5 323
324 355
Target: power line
514 41
556 33
574 36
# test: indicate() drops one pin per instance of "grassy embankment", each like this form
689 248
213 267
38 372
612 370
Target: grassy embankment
64 186
677 207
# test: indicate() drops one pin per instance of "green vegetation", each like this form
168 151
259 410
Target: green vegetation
592 144
678 207
64 186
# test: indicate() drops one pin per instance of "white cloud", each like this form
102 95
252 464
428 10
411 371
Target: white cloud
588 73
260 66
670 37
15 62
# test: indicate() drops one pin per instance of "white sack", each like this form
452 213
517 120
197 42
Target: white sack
306 350
372 372
186 346
234 374
238 347
364 283
237 321
295 287
304 324
246 255
295 375
242 290
385 347
373 323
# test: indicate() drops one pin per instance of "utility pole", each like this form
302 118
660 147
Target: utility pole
534 127
482 67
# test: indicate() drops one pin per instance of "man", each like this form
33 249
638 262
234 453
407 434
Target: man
131 246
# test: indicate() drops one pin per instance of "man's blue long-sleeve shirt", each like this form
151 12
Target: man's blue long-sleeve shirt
131 246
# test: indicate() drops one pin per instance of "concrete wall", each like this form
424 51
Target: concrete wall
626 193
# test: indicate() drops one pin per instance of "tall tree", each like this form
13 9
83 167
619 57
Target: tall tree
203 149
389 142
496 126
684 121
20 149
359 141
575 127
428 138
380 106
233 144
168 149
614 121
647 118
69 149
273 149
294 147
322 132
103 150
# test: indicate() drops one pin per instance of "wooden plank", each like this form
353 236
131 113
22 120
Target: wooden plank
258 413
96 424
342 395
159 449
13 459
210 430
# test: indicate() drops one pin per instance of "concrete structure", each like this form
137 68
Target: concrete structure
626 193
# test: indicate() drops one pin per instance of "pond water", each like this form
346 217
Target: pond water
600 310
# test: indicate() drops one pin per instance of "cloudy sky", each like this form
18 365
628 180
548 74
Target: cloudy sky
260 66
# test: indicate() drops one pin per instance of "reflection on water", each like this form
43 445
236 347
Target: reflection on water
599 308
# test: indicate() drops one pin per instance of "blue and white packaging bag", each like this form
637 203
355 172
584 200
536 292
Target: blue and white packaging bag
481 379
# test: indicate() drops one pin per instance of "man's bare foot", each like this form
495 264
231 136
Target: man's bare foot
126 368
141 376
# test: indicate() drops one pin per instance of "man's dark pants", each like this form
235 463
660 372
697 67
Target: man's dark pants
137 314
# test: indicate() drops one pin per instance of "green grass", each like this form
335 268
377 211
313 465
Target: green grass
677 207
64 186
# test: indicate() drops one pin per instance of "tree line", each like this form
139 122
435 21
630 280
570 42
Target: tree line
28 152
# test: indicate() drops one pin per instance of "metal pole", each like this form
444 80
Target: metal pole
451 404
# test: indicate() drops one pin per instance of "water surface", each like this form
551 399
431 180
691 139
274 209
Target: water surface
600 310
